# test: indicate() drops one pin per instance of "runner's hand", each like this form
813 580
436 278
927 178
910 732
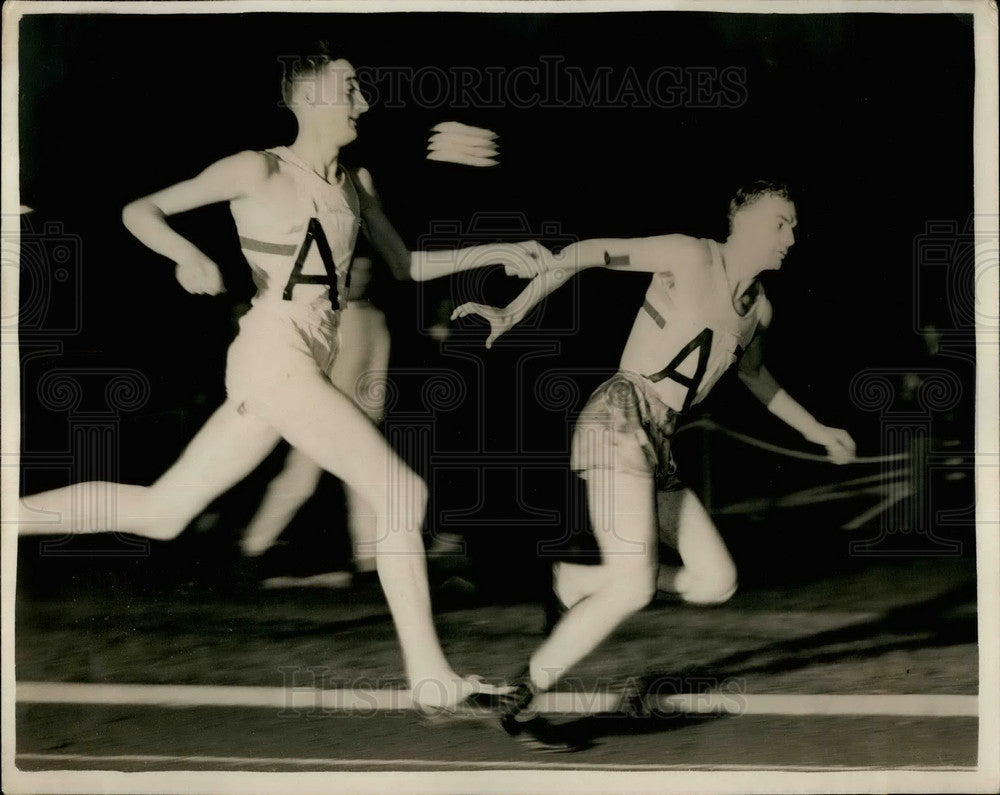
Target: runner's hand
527 260
500 320
839 445
199 275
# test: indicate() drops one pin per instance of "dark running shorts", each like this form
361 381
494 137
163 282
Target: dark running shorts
625 427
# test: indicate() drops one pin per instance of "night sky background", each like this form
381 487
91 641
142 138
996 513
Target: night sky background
867 116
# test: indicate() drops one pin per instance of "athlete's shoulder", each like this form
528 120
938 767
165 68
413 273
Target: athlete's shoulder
364 176
250 168
253 161
680 248
364 184
679 254
707 251
693 259
232 177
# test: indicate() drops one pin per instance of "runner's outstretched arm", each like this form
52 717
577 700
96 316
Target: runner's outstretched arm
424 265
651 254
758 379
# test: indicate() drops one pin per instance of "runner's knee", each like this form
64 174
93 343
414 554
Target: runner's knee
172 506
707 588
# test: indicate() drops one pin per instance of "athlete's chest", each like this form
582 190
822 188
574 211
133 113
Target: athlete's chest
298 232
705 302
291 200
686 336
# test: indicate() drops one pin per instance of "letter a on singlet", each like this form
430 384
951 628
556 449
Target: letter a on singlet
703 343
314 234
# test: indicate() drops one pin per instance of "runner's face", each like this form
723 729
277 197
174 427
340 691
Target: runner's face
766 230
337 96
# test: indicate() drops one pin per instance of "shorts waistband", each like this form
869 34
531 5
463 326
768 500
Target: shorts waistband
644 385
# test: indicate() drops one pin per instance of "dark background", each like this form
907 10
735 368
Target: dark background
868 116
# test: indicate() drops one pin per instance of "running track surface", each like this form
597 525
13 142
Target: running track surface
797 671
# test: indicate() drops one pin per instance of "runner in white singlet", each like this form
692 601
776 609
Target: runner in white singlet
298 214
704 308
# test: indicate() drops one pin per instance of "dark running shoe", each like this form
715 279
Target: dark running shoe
530 729
514 703
537 734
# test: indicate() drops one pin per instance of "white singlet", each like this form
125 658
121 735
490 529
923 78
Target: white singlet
298 252
686 336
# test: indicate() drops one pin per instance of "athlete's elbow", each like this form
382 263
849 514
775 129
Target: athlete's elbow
128 214
135 212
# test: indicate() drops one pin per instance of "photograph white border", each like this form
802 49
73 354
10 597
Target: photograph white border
986 778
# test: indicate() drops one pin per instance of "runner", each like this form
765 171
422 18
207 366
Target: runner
704 310
298 211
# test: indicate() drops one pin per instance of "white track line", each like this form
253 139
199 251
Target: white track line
372 700
495 765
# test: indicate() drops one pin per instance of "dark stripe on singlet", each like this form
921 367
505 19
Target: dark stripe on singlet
657 317
284 249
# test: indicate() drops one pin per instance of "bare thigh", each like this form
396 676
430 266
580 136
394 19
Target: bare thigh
360 369
227 448
624 521
325 425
